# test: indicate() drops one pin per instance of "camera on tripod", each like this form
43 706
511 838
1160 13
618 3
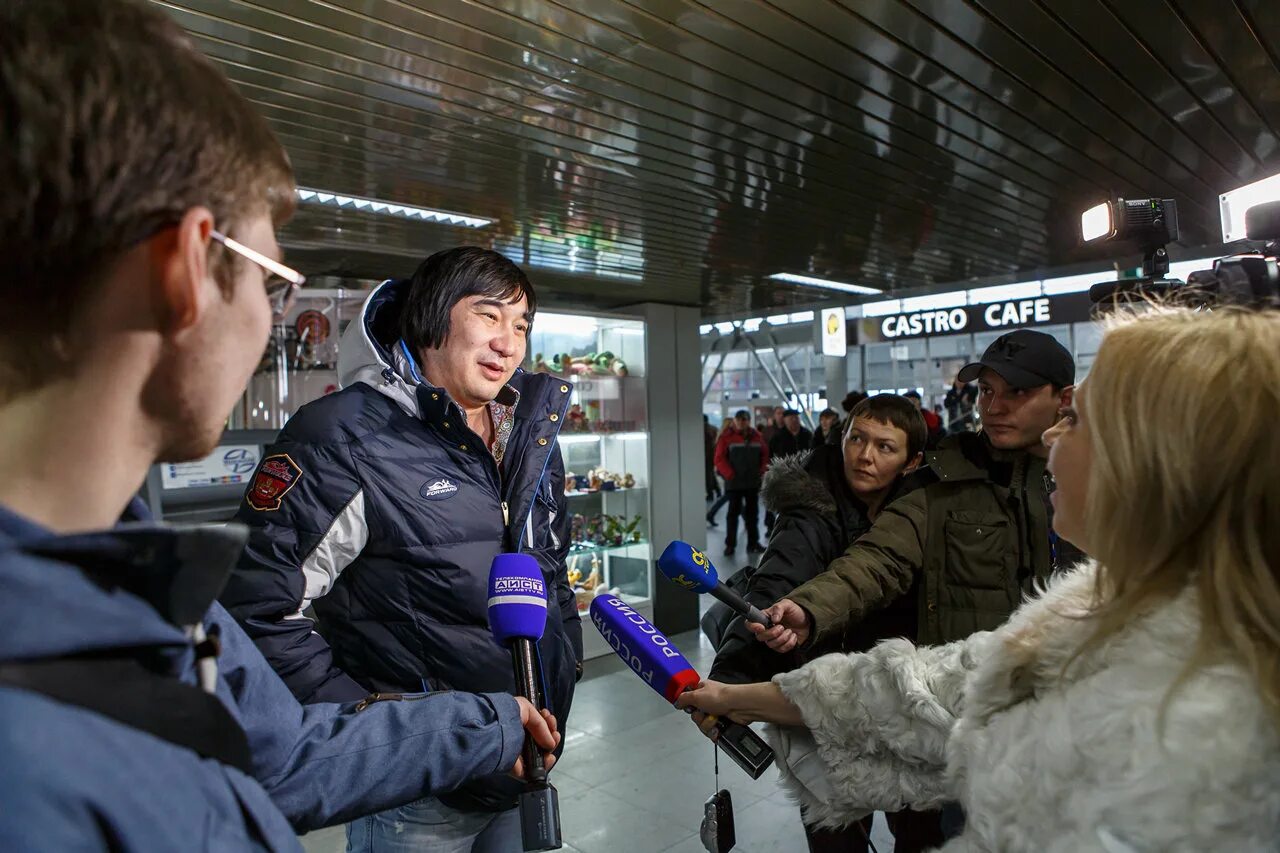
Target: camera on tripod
1250 279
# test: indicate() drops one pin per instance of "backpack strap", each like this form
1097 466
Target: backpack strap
124 690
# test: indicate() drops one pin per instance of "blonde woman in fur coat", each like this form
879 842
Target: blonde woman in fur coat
1135 705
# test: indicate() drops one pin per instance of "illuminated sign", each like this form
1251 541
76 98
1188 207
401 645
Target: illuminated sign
835 340
996 316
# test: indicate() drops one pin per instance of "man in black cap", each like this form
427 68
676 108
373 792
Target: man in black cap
974 541
969 545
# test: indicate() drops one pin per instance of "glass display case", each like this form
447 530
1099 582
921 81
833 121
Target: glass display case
605 444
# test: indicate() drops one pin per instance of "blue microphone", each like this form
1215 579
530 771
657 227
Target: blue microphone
690 568
517 618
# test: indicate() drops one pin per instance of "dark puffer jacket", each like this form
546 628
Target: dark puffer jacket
818 517
382 510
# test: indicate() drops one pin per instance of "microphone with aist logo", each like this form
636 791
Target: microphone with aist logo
660 665
517 617
691 569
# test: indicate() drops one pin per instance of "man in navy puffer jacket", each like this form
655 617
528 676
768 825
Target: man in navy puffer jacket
382 506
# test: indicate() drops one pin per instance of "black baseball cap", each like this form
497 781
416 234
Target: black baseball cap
790 412
1025 359
742 413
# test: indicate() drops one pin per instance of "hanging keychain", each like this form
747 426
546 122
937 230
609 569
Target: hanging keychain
717 832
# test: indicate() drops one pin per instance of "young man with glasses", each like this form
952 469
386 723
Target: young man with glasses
141 198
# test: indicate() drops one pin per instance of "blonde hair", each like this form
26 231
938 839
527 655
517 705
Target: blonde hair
1182 410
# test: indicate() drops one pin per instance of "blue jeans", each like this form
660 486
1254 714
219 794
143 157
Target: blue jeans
429 826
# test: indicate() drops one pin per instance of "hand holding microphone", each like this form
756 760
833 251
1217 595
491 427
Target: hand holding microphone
691 569
517 617
790 629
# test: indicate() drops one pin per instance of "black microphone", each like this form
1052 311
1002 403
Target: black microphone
517 617
691 569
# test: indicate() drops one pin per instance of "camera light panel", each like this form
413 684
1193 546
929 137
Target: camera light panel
1097 222
1234 204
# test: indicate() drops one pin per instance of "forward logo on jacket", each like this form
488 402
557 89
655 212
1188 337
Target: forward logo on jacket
276 476
440 490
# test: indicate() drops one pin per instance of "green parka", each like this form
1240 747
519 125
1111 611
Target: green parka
978 538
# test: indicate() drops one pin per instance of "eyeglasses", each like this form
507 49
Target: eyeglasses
281 284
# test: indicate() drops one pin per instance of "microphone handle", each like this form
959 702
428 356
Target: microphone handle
526 672
740 605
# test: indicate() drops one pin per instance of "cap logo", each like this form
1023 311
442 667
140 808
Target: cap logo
1007 347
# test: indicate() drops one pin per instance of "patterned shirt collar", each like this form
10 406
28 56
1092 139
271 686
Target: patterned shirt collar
504 417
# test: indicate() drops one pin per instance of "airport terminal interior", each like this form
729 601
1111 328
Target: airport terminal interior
732 207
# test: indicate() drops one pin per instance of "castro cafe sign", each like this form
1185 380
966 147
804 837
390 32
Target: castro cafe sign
1014 313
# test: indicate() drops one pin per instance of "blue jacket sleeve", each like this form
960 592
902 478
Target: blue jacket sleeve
305 511
327 763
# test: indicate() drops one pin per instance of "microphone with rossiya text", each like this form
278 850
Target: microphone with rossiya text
660 665
517 617
690 568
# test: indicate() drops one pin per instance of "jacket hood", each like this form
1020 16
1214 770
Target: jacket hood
790 484
128 587
372 352
369 350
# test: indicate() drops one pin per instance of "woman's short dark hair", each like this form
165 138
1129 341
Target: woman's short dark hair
445 279
895 411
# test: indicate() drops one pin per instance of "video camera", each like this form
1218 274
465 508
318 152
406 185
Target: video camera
1250 279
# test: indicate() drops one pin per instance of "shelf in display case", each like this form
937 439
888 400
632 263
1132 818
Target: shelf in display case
588 437
588 550
583 493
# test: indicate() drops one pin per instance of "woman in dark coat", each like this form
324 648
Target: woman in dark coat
824 500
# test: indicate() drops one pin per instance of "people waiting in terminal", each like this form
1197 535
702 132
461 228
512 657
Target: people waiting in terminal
390 393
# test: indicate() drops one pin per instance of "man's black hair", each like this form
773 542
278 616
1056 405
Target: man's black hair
912 394
445 279
789 412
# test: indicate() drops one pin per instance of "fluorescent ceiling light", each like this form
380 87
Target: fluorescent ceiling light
705 329
752 325
1004 292
778 320
802 317
882 309
386 208
724 328
1234 204
951 299
826 284
1075 283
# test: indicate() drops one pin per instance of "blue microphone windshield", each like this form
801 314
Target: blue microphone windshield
689 567
517 598
643 647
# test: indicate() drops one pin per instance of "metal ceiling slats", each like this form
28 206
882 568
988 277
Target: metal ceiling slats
703 144
218 49
1087 43
1038 93
1164 33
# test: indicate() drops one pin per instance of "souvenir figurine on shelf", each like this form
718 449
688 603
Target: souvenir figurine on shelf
617 481
596 480
540 364
576 419
628 482
570 482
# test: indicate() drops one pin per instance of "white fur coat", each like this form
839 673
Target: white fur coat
1042 764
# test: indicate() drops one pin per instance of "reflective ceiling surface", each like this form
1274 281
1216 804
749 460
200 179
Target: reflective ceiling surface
682 150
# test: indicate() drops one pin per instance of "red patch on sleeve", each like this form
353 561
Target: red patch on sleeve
276 476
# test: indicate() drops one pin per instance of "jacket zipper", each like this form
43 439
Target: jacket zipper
506 515
387 697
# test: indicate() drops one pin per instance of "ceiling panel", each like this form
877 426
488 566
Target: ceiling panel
683 150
